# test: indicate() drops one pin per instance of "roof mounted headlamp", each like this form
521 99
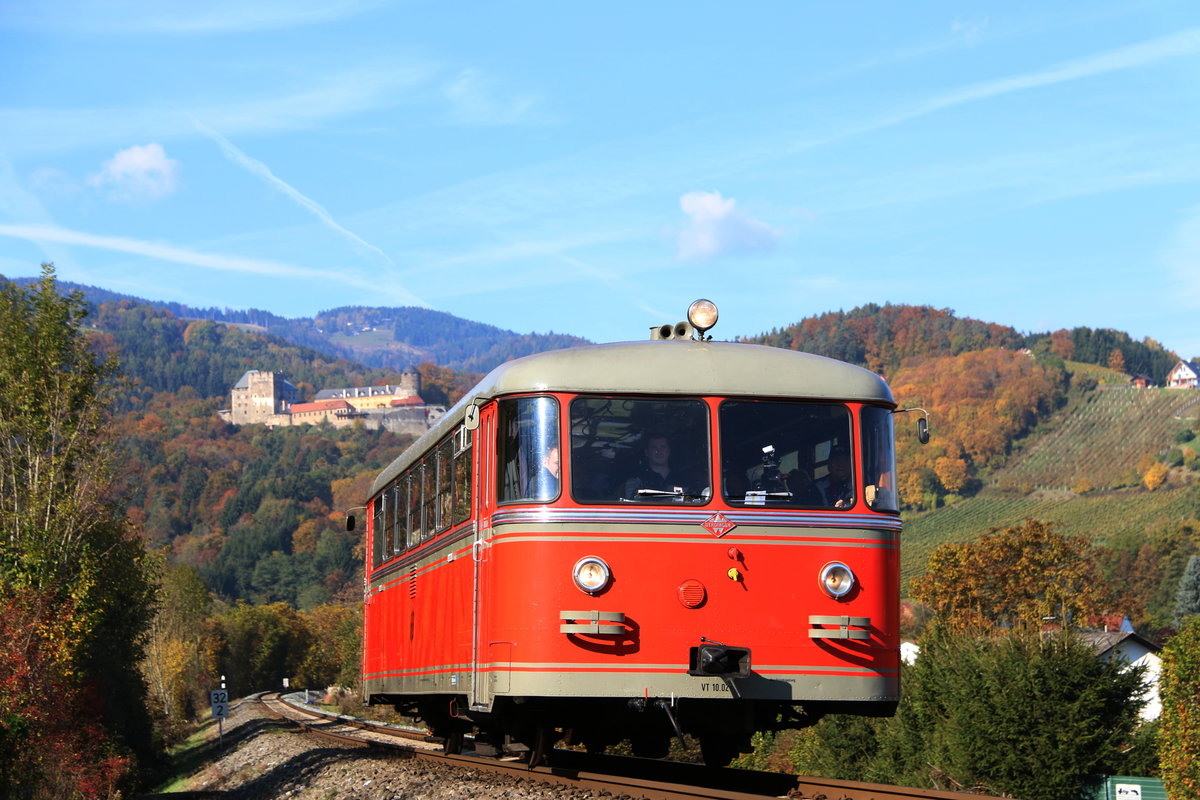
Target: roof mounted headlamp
702 315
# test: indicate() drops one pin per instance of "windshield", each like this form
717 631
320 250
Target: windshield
785 453
637 450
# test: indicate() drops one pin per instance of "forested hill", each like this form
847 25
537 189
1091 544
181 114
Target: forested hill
160 352
986 386
396 337
883 338
391 338
258 511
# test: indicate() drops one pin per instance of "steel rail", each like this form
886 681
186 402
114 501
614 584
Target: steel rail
637 778
355 722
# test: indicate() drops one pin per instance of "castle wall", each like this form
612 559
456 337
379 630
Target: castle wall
266 398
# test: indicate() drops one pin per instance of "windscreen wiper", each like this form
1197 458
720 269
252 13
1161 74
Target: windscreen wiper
659 493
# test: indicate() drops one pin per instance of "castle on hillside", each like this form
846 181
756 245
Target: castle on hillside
267 398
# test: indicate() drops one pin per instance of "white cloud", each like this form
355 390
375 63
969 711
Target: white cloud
718 228
137 174
475 100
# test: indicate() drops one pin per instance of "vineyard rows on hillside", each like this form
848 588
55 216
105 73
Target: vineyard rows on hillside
1102 439
1100 516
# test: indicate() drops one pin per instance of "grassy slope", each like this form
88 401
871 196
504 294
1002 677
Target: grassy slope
1100 515
1100 437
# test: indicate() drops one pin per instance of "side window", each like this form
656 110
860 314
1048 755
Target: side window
398 511
445 485
385 529
529 458
410 510
415 506
428 498
879 459
462 475
377 529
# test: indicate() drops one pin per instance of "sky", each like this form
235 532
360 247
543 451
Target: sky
593 168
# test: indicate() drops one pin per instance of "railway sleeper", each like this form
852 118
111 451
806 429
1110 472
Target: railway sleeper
530 727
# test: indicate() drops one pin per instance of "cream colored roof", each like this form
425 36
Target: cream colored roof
669 367
685 367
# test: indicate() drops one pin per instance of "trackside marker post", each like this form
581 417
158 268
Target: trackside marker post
219 700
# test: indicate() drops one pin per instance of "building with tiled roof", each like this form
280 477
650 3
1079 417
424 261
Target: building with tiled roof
266 398
1185 375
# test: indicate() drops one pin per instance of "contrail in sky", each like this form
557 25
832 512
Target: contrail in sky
261 170
1181 43
216 261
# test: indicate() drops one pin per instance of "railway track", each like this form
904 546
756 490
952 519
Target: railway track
614 775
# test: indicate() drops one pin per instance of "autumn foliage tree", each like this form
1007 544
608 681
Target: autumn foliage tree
1179 745
1116 360
334 655
74 590
256 646
444 385
1013 576
1155 475
979 401
175 667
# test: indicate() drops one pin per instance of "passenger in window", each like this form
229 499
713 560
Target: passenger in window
837 487
881 493
543 485
656 474
802 487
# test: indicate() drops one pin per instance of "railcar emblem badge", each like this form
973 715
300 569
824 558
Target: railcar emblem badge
718 525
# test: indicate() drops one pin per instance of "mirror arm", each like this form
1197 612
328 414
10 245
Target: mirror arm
922 423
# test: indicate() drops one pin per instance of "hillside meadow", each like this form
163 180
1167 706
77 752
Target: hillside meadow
1101 516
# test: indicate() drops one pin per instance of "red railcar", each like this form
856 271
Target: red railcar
630 541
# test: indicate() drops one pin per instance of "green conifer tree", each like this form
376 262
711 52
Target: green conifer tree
1187 596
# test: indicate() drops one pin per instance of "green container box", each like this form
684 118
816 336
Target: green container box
1121 787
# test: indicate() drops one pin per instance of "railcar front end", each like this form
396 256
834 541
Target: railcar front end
637 541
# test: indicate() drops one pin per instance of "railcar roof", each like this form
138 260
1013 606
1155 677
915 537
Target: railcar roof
691 368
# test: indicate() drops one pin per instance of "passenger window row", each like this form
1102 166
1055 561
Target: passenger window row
428 498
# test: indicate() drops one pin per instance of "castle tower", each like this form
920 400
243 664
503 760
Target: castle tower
410 382
258 396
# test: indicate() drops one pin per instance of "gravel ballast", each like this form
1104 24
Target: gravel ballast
265 757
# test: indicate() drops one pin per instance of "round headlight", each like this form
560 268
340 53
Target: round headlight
836 579
591 574
702 314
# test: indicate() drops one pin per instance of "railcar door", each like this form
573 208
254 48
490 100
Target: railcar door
485 506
